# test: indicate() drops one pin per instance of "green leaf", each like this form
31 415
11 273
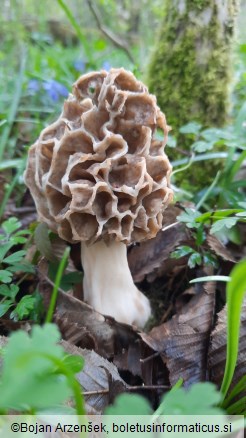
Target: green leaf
220 224
21 233
5 306
194 259
171 141
200 399
241 214
181 251
4 248
217 214
11 225
235 291
15 257
202 146
129 404
25 266
9 291
215 134
5 276
29 366
23 308
209 259
189 218
191 128
15 240
74 363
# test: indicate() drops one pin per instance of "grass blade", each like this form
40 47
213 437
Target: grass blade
237 407
208 191
14 106
11 187
77 28
235 291
53 300
211 278
239 387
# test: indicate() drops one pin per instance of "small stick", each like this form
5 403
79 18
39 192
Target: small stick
152 356
113 38
129 389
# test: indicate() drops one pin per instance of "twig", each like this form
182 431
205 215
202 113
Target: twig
129 389
170 226
113 38
152 356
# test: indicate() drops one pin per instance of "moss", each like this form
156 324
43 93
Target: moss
190 68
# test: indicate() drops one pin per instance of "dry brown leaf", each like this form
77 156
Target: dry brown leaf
183 341
99 379
219 249
152 258
217 349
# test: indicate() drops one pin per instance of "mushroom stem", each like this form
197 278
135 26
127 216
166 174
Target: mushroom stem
108 284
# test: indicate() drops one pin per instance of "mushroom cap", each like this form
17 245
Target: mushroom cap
100 172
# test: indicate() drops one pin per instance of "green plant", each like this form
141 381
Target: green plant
213 222
12 262
224 150
37 373
197 256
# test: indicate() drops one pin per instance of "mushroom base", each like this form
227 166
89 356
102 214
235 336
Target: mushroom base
108 284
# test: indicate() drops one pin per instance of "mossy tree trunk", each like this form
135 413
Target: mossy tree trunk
191 65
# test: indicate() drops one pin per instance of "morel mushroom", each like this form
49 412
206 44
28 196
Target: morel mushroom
99 176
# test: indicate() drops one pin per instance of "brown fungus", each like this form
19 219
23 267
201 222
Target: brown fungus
99 176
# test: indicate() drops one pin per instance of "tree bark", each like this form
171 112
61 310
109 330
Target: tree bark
190 70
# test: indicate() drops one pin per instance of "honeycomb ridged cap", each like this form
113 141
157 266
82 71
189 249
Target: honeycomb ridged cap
100 172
